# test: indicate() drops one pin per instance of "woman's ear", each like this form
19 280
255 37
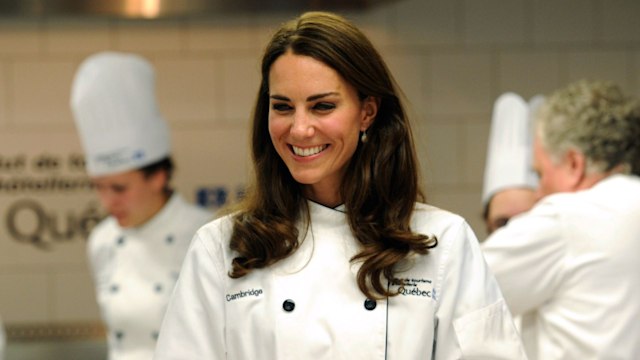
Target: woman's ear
370 107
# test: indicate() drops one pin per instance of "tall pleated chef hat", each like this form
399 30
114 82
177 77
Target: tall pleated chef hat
510 151
116 114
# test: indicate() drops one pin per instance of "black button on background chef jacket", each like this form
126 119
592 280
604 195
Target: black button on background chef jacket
158 288
169 239
120 241
288 305
370 304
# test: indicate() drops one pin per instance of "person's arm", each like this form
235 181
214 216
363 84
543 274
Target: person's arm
526 258
101 256
473 319
193 326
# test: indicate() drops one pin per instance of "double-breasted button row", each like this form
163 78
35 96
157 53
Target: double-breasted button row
119 335
288 305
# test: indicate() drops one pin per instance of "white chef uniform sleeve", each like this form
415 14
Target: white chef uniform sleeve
473 321
2 340
526 257
193 326
100 253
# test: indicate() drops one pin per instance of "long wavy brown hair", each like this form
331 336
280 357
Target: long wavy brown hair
381 185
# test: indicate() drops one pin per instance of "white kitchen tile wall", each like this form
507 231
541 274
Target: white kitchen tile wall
461 82
149 37
40 93
20 38
426 22
494 21
567 22
614 65
76 37
620 21
529 72
240 80
188 90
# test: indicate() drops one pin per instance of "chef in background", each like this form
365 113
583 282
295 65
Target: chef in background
510 182
570 264
136 253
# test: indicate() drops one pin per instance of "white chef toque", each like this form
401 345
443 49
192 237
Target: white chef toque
116 114
510 151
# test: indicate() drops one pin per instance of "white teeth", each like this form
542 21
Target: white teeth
308 151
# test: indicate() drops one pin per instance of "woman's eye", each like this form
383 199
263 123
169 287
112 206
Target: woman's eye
322 106
281 107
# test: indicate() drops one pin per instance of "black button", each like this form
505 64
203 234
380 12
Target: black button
169 239
370 304
120 241
119 335
288 305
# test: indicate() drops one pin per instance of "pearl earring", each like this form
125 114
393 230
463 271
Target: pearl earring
363 136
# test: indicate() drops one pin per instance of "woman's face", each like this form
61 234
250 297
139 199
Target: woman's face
131 197
315 120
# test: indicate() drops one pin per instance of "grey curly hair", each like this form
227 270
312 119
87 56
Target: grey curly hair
595 118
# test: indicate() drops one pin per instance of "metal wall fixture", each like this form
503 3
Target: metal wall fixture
156 9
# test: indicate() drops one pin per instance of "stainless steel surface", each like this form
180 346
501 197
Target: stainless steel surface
155 9
57 350
56 341
54 331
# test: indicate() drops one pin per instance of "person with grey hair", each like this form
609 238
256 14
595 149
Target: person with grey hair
569 266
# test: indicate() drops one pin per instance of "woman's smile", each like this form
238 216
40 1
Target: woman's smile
308 151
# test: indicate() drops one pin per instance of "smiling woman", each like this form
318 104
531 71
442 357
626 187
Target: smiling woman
315 119
332 238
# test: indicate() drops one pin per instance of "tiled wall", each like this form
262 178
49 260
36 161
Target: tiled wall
451 57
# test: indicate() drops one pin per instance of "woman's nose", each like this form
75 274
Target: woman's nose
302 126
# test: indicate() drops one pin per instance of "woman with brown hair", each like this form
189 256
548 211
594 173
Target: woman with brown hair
332 254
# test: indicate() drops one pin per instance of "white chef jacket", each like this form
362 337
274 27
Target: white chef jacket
308 306
135 270
3 340
571 266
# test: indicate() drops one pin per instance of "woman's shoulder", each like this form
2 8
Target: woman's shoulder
217 229
434 219
451 230
215 236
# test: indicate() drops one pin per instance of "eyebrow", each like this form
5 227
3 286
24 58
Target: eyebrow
310 98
